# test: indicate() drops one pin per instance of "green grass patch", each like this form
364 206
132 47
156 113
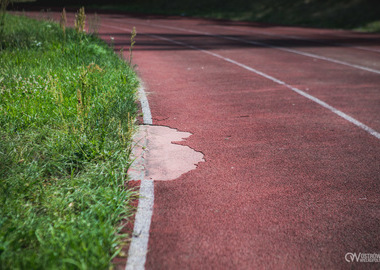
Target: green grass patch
67 105
370 27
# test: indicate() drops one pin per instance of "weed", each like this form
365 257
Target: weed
80 20
63 21
133 37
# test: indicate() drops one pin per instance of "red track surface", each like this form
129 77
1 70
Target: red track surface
287 184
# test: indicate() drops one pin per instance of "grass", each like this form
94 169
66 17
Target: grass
360 15
66 109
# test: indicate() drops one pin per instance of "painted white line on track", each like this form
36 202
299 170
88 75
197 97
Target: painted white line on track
139 245
138 248
262 44
298 91
147 115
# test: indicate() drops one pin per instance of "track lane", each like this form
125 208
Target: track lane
333 85
254 204
358 60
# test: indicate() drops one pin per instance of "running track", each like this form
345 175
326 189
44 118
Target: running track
288 120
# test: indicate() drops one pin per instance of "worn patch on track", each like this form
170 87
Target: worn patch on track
157 157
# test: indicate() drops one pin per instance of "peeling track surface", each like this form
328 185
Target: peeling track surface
287 183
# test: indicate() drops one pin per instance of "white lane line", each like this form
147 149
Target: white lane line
262 44
298 91
139 245
147 115
299 38
138 248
